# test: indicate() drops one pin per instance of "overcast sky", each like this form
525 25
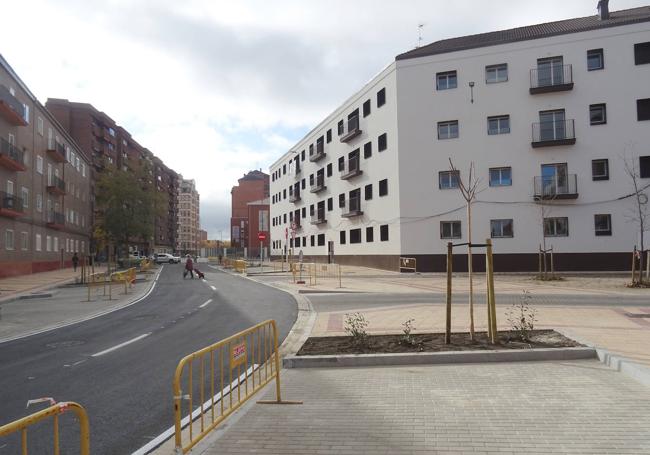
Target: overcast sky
217 88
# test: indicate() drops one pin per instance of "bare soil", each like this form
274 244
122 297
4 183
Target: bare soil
433 342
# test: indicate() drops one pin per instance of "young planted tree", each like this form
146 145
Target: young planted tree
468 191
639 212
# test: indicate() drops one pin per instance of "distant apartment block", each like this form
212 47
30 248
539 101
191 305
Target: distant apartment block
249 199
189 237
546 113
45 180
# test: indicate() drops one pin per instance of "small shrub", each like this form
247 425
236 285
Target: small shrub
355 326
407 338
522 316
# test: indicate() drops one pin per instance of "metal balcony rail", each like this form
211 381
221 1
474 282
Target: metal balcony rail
318 217
11 151
57 183
10 202
350 129
318 185
55 218
351 168
556 186
317 153
10 100
294 197
559 130
352 207
549 75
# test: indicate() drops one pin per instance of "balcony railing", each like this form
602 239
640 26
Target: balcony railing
56 150
352 207
55 185
350 130
295 196
10 108
351 168
556 187
11 157
55 220
318 152
551 78
297 169
318 217
10 205
318 186
547 134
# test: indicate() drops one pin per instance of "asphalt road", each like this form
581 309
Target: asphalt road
126 389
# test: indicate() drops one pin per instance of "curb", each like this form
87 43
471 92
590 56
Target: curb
439 358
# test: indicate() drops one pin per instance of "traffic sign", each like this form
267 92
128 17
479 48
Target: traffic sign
261 236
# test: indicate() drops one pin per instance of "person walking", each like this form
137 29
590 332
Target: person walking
189 267
75 261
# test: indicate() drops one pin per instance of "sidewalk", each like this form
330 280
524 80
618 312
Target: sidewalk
59 305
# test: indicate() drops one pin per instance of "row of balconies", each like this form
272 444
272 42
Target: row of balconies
11 109
12 207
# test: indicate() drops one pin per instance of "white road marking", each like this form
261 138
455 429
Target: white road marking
213 288
205 304
121 345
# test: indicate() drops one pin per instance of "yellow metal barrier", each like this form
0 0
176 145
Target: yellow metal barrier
227 263
237 367
53 411
125 276
240 265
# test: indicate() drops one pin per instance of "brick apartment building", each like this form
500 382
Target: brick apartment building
188 218
253 187
45 179
111 146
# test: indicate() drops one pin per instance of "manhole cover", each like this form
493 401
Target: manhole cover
64 344
638 315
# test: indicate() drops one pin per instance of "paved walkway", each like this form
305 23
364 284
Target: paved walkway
508 408
15 286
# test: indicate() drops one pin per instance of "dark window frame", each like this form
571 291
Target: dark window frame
383 233
601 107
355 236
448 124
496 68
503 235
597 52
602 176
603 232
383 188
643 109
500 169
446 76
642 53
366 108
452 229
382 142
370 234
381 97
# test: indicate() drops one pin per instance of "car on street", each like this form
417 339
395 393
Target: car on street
166 258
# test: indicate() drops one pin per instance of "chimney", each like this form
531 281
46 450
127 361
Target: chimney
603 9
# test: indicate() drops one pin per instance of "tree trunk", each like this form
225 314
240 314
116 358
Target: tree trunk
469 270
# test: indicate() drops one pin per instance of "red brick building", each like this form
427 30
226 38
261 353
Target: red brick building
252 187
258 221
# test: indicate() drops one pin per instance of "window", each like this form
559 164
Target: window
342 237
302 154
644 167
37 243
600 169
603 224
366 108
340 128
39 164
643 109
9 239
24 194
328 136
642 53
595 60
355 235
448 129
369 234
341 163
382 142
496 73
383 233
446 80
312 241
39 126
341 200
448 179
383 187
284 169
39 202
381 97
556 227
499 124
597 114
500 228
321 239
330 204
450 230
24 241
501 176
48 243
367 150
368 191
304 212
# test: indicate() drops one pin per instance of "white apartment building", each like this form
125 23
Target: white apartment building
188 218
548 115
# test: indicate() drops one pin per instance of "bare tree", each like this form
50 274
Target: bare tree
639 213
468 191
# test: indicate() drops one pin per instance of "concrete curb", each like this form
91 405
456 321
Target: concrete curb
628 367
439 358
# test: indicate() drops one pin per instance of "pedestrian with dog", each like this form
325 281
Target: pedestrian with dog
189 267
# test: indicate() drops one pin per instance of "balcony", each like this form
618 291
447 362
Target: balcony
11 157
56 186
56 150
554 187
55 220
10 205
350 130
351 169
297 169
318 186
294 197
551 78
10 108
352 207
318 153
549 134
318 217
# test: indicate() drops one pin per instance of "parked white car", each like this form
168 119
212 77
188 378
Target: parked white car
166 258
